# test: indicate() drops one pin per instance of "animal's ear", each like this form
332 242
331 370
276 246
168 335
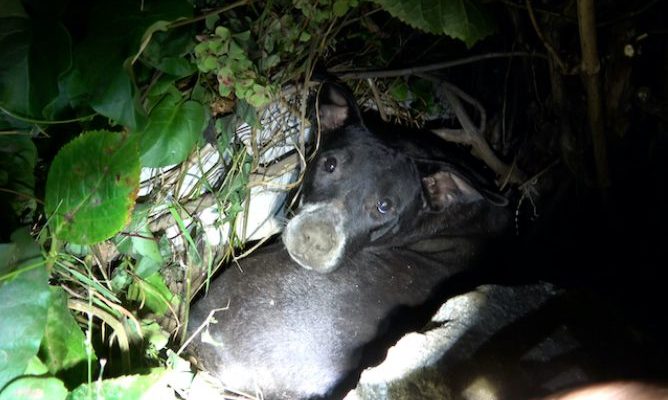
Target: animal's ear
442 189
336 107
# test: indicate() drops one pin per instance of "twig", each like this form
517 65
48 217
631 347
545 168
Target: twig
353 74
547 44
204 324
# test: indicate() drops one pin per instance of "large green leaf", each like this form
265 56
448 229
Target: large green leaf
24 301
35 388
466 20
64 344
101 73
35 51
151 386
173 129
91 187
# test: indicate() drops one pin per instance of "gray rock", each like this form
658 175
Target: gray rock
453 359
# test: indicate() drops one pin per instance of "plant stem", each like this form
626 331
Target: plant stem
591 67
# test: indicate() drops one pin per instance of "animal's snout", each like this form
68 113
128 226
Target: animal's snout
319 237
315 239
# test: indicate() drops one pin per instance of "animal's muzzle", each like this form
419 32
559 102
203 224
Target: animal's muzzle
314 238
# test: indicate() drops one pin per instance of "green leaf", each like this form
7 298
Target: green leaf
21 251
340 8
12 8
146 267
269 62
64 344
145 245
162 87
153 293
100 77
466 20
172 131
90 190
157 337
304 36
223 33
24 301
138 240
247 113
35 388
34 54
151 386
209 64
120 279
399 90
36 367
18 156
166 51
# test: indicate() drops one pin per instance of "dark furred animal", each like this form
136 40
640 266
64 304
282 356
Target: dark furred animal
384 219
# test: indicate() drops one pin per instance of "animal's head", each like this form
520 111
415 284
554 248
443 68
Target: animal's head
363 190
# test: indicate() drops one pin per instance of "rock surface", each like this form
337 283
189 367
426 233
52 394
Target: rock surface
451 359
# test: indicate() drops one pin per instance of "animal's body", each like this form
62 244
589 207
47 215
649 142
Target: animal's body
383 223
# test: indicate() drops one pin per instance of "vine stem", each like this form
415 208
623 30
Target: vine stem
353 74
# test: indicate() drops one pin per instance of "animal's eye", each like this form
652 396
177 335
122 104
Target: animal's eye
329 164
384 206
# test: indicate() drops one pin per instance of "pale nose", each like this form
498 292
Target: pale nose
318 237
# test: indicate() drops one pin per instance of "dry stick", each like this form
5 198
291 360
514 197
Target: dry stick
470 135
590 74
203 325
427 68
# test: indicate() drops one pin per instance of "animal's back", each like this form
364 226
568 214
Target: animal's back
295 333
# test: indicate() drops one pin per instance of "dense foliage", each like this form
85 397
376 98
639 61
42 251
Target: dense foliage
91 92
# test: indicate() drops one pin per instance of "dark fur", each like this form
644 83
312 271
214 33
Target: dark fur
301 332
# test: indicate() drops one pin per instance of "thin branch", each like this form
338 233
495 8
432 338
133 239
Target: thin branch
472 135
357 74
547 44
